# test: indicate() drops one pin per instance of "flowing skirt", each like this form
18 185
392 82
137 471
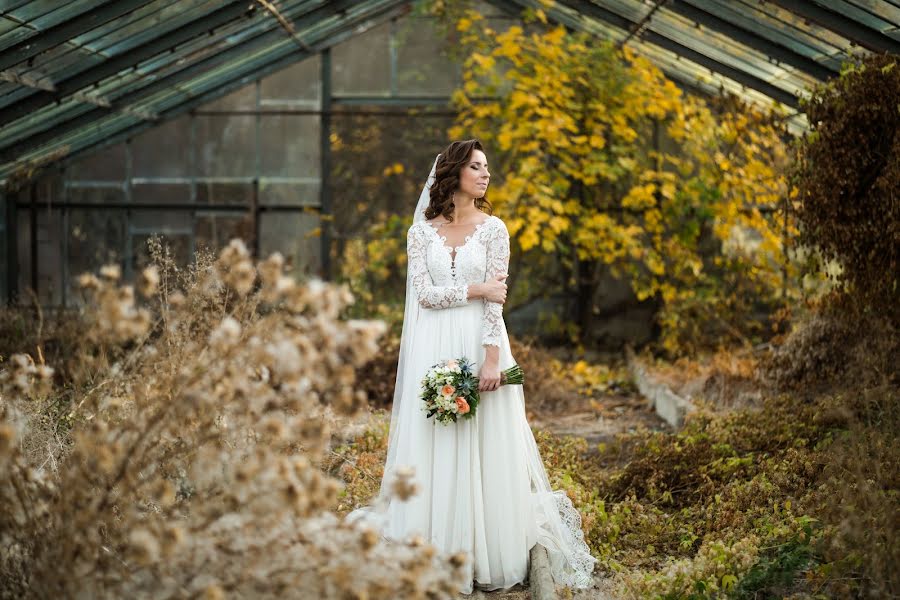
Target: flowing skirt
483 489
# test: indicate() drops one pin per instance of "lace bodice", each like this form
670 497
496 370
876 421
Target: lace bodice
441 276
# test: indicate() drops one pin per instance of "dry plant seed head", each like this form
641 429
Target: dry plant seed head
88 281
270 270
368 539
241 277
227 334
172 538
164 493
403 486
213 592
176 300
458 560
144 547
111 272
274 427
148 282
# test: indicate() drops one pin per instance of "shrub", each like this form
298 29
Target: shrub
198 418
847 177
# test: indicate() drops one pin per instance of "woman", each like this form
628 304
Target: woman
482 487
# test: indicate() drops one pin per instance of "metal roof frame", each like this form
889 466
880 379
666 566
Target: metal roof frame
91 75
842 24
145 88
86 21
272 50
65 89
751 39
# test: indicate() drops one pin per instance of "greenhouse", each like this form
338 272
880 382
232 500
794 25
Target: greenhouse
208 229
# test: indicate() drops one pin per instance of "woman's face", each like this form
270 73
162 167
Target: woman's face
474 176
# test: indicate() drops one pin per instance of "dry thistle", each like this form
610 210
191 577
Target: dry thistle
403 486
176 461
148 282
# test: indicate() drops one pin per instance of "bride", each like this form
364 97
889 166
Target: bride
481 485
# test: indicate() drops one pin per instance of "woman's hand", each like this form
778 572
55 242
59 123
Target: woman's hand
489 376
495 289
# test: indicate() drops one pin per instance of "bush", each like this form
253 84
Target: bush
190 466
847 177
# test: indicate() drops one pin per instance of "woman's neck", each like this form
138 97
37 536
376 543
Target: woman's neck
465 211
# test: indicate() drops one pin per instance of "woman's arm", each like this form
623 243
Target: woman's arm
497 264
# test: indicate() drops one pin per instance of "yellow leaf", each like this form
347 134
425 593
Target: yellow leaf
529 239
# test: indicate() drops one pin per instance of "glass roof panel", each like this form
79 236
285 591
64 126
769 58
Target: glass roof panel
35 17
54 64
869 18
138 77
7 25
160 17
776 31
885 10
329 29
792 24
180 75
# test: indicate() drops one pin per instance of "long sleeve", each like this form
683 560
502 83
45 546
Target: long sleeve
428 294
497 263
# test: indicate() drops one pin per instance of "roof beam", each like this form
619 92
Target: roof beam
594 11
750 39
65 31
65 87
842 25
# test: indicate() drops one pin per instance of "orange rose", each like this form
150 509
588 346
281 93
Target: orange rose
461 405
447 390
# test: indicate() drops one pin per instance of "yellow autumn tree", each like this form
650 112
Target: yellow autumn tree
605 164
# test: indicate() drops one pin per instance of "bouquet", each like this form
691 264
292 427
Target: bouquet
450 389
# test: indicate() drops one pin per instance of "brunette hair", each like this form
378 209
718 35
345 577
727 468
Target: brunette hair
446 180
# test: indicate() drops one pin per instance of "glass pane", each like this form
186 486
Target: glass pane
95 238
96 195
242 99
289 145
289 194
423 67
214 231
105 165
294 235
23 253
226 146
156 193
368 185
215 193
163 151
179 247
361 65
49 258
154 221
298 86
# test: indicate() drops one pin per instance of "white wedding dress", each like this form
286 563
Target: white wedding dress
483 488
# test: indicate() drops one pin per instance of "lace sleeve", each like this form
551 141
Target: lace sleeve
428 294
497 262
